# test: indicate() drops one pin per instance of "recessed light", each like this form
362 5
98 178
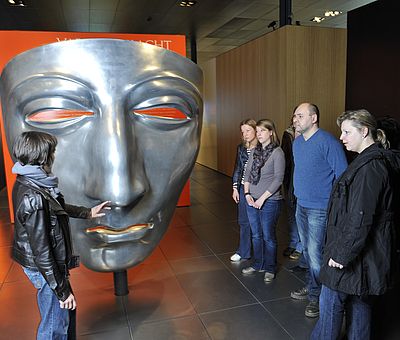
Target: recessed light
317 19
187 3
332 13
19 3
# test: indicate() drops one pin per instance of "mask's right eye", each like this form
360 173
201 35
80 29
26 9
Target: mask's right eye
57 118
57 113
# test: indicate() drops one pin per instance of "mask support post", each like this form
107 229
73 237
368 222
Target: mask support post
121 283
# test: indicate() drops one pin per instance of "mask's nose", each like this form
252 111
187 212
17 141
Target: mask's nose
115 164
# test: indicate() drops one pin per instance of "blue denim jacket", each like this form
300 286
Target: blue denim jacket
241 159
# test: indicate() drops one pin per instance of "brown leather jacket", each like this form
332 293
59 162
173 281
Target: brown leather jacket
42 237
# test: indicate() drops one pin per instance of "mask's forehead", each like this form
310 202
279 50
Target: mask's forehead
99 60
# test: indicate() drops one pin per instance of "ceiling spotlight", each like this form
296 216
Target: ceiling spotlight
16 3
187 3
332 13
317 19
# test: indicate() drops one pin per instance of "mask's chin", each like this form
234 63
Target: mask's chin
116 257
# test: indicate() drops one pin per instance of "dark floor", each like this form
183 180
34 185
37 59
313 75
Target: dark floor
187 289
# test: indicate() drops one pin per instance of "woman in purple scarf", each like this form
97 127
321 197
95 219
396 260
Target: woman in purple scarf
263 180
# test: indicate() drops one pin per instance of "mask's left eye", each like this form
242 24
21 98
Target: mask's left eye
53 118
168 113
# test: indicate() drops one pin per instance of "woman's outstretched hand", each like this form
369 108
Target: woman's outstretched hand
97 210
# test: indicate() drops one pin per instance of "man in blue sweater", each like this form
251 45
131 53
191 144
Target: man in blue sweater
319 159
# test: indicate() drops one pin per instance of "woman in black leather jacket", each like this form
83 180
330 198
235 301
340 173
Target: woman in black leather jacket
248 130
42 241
361 254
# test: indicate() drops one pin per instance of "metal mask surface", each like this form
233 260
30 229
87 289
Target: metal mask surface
96 96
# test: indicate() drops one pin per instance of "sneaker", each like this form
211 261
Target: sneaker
312 309
235 258
268 277
251 270
300 294
288 251
295 255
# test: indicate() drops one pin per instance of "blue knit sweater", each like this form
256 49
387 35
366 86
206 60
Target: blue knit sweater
318 162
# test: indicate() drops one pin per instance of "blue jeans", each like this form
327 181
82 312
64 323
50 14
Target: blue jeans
294 237
54 321
245 233
312 228
263 224
332 305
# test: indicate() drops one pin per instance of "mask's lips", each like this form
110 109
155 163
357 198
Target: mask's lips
112 235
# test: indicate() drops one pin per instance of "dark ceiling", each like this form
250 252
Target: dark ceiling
216 25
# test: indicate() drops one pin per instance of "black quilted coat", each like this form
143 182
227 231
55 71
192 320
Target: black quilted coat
363 225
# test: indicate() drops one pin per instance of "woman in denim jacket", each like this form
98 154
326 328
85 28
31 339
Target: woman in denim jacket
248 129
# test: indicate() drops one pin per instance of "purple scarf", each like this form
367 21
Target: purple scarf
37 175
260 156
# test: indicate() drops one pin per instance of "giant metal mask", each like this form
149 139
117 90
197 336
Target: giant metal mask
109 102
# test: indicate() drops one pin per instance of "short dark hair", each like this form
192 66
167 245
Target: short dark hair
314 110
35 148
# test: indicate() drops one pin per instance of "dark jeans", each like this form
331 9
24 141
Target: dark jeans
312 228
294 237
263 224
332 305
55 321
245 232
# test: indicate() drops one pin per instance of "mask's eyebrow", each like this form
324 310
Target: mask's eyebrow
42 86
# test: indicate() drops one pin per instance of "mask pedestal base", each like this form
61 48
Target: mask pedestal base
121 283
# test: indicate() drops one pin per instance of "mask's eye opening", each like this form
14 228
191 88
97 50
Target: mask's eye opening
169 113
53 116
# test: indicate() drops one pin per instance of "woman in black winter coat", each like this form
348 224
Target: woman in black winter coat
360 255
